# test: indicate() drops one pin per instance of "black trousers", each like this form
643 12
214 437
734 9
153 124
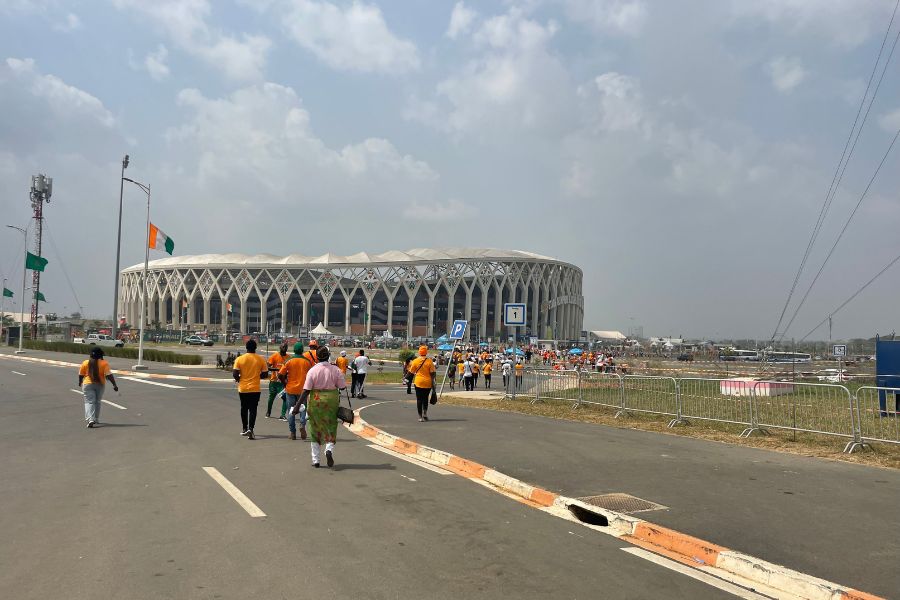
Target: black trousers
487 381
249 404
354 381
470 383
422 395
360 380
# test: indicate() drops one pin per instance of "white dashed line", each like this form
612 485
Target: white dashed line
238 496
166 385
119 406
17 373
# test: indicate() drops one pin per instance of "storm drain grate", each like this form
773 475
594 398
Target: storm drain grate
623 503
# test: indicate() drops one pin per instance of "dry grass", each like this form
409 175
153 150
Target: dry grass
881 455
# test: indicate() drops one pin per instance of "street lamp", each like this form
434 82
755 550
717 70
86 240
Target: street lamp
24 233
115 321
140 366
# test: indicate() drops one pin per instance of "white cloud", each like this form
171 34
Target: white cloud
258 141
461 20
786 73
185 22
351 38
516 82
70 23
64 100
439 212
609 16
155 63
618 102
844 23
890 122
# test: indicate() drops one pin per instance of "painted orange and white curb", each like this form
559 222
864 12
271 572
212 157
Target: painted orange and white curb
766 577
71 365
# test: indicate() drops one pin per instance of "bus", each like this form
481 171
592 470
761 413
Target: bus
734 354
788 357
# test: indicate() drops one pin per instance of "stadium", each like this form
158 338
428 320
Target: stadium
361 294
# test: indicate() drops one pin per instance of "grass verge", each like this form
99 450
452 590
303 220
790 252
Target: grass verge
881 455
149 353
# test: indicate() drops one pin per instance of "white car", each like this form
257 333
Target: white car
99 339
833 375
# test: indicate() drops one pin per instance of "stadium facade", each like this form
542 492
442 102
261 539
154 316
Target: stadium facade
361 294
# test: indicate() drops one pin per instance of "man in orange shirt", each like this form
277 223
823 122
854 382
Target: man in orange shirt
248 370
275 386
293 375
423 372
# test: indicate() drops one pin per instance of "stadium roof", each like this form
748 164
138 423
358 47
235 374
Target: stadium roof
417 255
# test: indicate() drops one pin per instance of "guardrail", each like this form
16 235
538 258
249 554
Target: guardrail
869 414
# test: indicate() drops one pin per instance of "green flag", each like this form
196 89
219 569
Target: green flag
35 263
7 293
40 297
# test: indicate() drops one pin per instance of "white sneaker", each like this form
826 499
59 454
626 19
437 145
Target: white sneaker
245 432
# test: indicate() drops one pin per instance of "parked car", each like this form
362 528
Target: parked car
99 339
833 375
685 357
196 340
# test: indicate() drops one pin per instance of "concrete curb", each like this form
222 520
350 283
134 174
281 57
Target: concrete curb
662 540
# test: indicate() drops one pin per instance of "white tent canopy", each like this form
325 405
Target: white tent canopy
608 335
320 330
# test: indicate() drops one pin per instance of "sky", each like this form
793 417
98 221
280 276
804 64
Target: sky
679 153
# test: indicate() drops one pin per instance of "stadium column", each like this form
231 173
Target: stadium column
207 314
430 331
451 296
468 311
346 315
284 314
390 312
244 308
191 312
368 315
224 318
161 309
482 326
534 308
325 316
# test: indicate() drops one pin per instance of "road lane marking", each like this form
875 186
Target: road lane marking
238 496
721 584
17 373
119 406
410 459
166 385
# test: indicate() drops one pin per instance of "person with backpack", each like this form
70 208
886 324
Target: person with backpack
293 375
407 375
422 373
468 375
93 375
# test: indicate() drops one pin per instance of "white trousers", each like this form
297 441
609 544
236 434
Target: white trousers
316 449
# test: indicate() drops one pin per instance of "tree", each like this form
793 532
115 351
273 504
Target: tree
75 315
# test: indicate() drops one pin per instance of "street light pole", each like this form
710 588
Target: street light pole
140 366
2 311
115 321
24 233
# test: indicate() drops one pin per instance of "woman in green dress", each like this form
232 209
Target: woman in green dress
321 395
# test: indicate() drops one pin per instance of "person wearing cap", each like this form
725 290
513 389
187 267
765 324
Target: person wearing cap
93 375
422 371
249 369
275 386
321 396
293 375
341 362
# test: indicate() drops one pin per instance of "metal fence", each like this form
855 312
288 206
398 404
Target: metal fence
869 414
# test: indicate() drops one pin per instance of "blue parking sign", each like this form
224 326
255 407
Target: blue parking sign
458 329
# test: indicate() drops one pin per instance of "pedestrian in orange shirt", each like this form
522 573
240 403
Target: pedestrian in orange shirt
293 375
248 370
94 373
275 386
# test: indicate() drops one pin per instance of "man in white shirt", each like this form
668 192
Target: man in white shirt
506 369
468 375
361 364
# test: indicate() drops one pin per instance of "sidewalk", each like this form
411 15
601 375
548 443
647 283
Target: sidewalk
828 519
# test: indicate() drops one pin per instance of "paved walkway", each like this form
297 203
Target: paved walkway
829 519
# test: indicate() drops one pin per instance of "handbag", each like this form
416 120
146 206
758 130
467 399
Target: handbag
433 399
411 376
346 414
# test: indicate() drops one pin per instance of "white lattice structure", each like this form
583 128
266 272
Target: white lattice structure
361 293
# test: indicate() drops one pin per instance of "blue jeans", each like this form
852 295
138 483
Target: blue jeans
93 393
292 418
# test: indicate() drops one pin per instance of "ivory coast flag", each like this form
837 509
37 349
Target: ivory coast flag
159 240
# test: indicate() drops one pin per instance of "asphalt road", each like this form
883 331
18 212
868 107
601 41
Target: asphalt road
126 510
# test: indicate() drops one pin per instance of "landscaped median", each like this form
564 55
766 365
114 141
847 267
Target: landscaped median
742 568
151 354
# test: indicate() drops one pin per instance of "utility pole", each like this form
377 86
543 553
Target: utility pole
41 190
115 321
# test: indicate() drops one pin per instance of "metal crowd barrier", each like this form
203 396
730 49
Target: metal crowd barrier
871 414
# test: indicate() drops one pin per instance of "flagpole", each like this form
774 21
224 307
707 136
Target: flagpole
2 311
140 366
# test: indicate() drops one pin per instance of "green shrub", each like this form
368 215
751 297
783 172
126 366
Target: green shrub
406 353
127 352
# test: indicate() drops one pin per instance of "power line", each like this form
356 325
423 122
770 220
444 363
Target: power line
855 294
63 266
839 171
841 234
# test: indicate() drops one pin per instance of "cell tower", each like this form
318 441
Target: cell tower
41 190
